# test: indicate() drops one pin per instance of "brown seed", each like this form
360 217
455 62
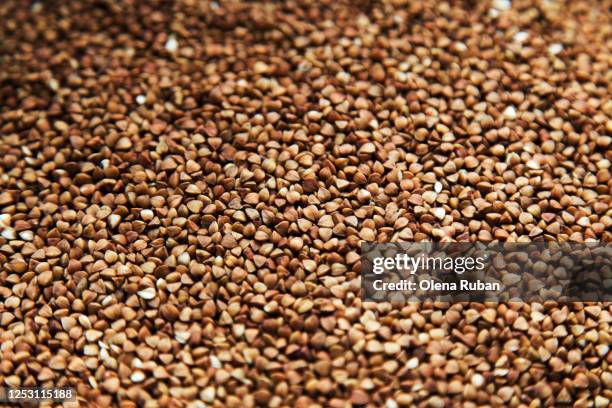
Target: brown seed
359 397
111 384
169 312
367 148
378 73
367 234
458 105
57 363
498 150
298 289
147 294
123 144
229 241
5 198
45 278
520 324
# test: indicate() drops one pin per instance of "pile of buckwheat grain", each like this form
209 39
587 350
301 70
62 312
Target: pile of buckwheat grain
184 186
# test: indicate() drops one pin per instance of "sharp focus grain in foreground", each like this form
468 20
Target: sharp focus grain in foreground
184 186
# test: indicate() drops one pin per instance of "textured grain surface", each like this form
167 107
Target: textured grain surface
184 186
